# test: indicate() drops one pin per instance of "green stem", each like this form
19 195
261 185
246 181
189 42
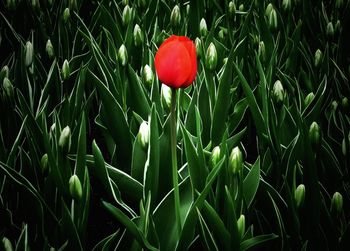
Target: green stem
174 160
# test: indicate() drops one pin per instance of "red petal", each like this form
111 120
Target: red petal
191 48
173 63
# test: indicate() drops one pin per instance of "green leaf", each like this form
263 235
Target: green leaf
22 243
206 233
139 102
116 123
256 240
253 105
188 229
130 225
251 183
151 178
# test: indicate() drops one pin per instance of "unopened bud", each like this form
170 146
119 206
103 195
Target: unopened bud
198 43
308 99
165 93
65 70
330 30
123 55
273 20
44 164
49 49
6 244
345 103
11 4
215 156
262 51
147 75
337 27
318 57
241 7
278 93
127 15
211 57
143 134
65 140
315 135
232 8
339 4
236 161
337 203
175 16
75 188
334 105
4 72
29 53
287 5
138 36
268 9
142 3
73 4
35 4
203 29
241 226
66 15
299 195
8 88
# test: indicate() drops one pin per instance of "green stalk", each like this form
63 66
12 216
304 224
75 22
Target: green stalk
174 160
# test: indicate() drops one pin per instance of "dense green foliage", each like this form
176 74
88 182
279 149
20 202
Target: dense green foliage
263 149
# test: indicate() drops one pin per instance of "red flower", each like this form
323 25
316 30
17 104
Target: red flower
176 62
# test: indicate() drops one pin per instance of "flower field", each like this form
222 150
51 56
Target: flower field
174 125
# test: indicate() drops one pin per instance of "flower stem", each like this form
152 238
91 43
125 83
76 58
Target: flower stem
174 160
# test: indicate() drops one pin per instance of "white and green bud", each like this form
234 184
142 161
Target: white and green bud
127 15
8 88
278 93
198 43
339 4
65 72
337 203
315 135
318 57
241 7
6 244
268 9
262 51
123 55
165 94
175 16
203 29
211 57
232 8
345 103
343 147
73 4
236 161
337 27
11 4
4 72
65 140
138 36
299 196
287 5
75 188
147 75
308 99
49 49
143 134
273 23
334 105
215 156
330 30
142 3
44 164
29 53
35 4
241 226
125 2
66 15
